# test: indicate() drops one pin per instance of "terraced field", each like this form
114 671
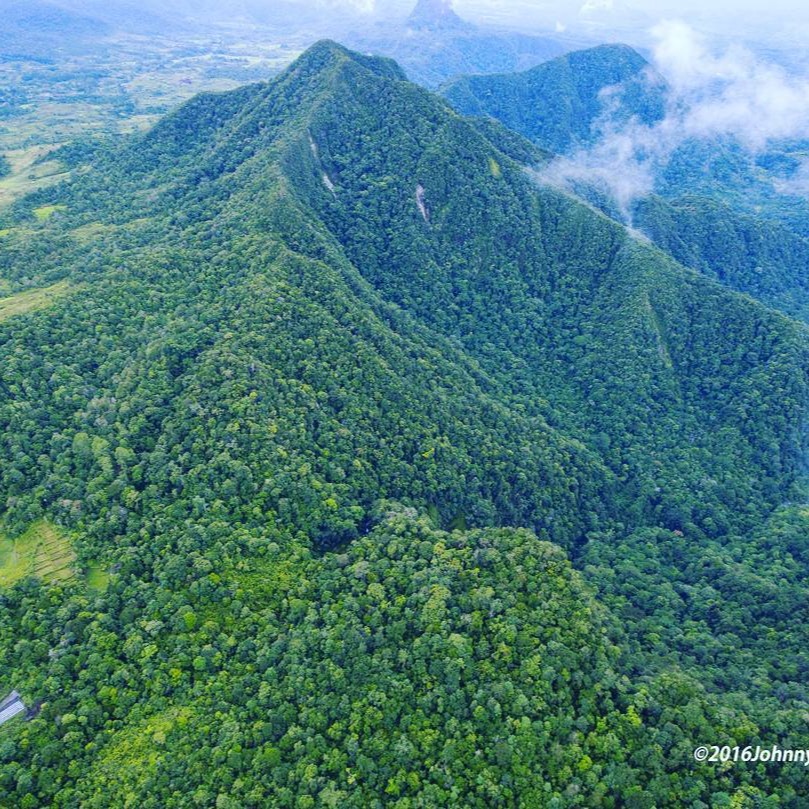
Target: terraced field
43 551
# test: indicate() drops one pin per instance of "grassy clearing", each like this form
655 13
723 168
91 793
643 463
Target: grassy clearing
45 212
86 233
94 230
97 578
33 299
43 551
28 175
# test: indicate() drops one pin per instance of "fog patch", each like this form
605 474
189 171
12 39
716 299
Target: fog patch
730 95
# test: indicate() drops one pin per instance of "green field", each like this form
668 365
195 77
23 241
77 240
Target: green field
30 171
45 212
42 551
32 299
97 577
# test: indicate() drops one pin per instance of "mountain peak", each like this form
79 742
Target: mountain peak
435 14
326 53
617 52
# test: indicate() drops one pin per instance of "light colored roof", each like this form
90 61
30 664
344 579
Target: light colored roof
12 697
12 711
11 706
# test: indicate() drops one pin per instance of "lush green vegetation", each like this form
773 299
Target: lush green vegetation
44 212
760 257
341 399
32 299
558 103
718 208
416 667
42 551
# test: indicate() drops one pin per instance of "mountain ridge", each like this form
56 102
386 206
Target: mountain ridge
755 243
558 104
273 358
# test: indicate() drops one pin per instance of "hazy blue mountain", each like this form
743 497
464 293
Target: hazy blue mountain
39 28
434 44
436 15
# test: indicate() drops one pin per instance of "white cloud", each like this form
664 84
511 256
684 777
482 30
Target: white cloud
796 185
621 165
593 6
731 93
363 6
713 95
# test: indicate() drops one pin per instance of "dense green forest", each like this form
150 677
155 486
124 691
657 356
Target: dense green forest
559 104
391 478
716 206
763 258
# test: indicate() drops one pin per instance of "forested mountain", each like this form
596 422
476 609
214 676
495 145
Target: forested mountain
340 398
715 207
37 27
758 256
559 103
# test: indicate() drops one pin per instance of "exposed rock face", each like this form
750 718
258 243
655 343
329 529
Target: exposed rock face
435 14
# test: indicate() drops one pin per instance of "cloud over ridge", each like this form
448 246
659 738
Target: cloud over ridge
731 95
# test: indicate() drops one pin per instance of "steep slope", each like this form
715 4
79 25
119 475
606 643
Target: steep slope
716 207
762 186
760 257
559 104
317 358
583 99
305 297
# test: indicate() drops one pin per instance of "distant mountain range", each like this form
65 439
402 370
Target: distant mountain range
436 15
434 44
558 104
36 28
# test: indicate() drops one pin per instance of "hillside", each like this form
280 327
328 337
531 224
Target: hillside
340 398
715 206
763 258
559 104
33 22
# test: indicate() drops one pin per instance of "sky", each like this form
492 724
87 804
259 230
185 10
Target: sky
779 19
